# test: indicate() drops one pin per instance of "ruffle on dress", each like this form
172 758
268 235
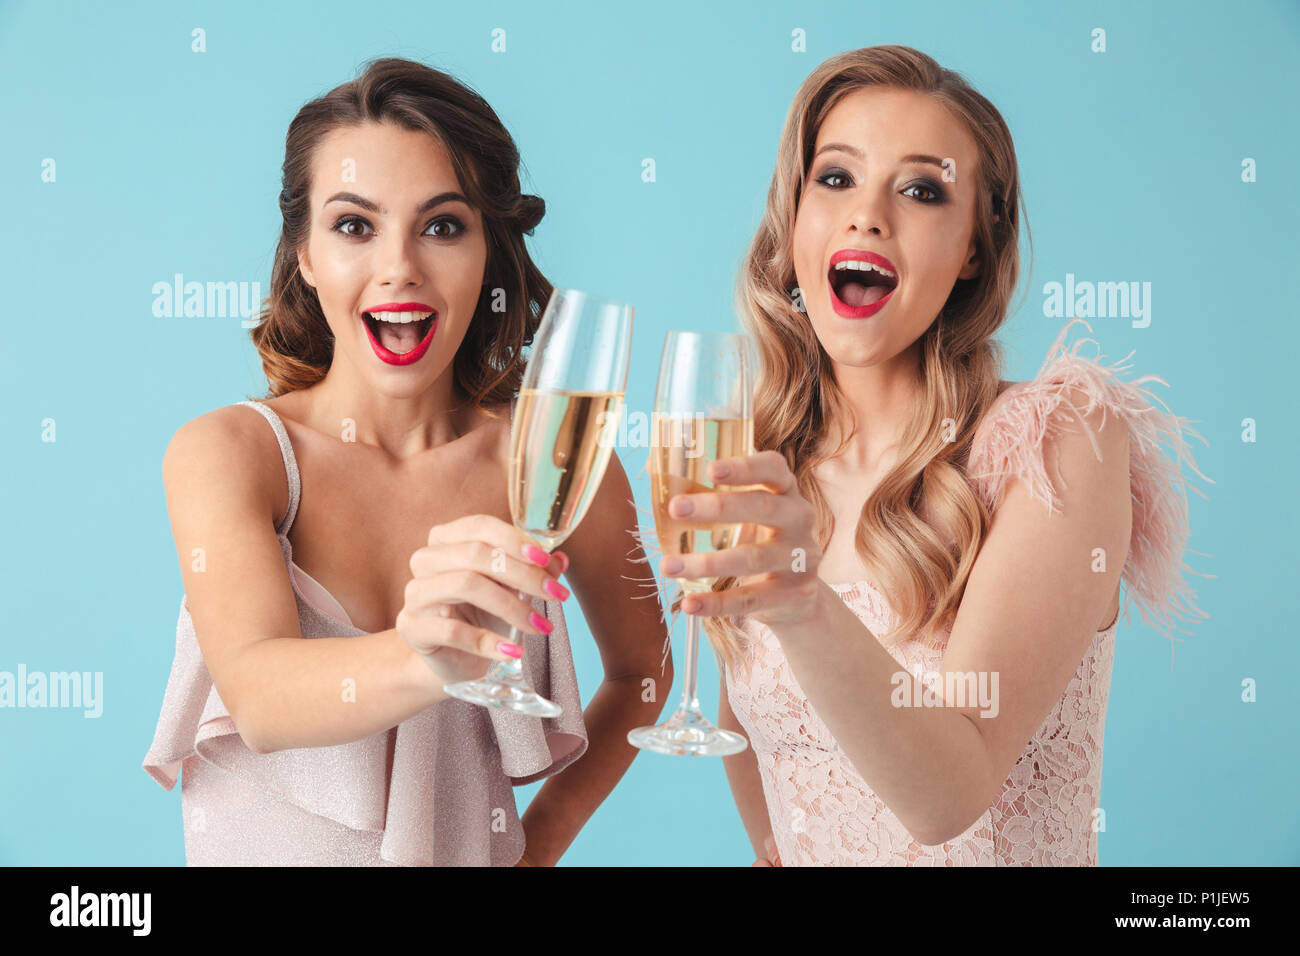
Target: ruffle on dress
431 784
1009 443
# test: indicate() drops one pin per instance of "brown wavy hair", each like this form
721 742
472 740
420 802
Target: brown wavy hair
921 528
294 340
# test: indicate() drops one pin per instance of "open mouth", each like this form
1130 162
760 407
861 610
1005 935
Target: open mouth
857 283
399 332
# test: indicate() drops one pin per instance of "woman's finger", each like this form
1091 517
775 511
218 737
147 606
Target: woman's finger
740 507
497 534
470 587
429 632
493 562
749 599
766 468
742 561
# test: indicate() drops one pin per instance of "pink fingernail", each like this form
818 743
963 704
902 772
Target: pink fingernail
537 555
556 590
514 650
542 625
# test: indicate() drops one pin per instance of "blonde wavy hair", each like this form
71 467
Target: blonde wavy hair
921 528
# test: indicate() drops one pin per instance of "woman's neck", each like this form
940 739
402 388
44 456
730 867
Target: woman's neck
876 405
402 426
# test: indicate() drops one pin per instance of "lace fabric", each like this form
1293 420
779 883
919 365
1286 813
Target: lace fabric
824 814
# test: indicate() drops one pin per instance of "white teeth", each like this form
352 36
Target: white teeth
402 318
859 265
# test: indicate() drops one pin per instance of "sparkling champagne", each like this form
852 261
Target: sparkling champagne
560 446
679 459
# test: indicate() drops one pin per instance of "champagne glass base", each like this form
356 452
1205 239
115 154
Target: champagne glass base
508 694
687 733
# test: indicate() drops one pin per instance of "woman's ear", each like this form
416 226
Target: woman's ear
971 268
304 269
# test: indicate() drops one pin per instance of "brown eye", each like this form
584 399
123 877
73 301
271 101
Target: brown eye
825 179
452 227
341 226
935 193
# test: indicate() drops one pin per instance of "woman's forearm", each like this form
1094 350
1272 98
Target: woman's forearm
928 764
746 782
326 691
567 800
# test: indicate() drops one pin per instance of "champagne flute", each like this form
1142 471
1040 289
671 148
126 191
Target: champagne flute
703 412
561 438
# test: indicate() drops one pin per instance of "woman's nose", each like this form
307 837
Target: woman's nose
866 221
870 216
397 263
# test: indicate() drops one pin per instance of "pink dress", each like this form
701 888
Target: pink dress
822 811
436 790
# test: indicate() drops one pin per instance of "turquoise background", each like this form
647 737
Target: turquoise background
168 161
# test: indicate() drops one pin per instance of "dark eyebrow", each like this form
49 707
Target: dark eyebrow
425 206
854 151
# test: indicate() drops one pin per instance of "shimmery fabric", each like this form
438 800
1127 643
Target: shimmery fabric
436 790
822 811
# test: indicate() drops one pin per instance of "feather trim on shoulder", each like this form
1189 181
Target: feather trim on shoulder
1009 443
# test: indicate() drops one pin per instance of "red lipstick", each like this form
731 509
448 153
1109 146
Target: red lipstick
401 307
415 354
841 307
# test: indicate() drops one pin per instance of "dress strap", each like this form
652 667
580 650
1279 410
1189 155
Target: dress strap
290 464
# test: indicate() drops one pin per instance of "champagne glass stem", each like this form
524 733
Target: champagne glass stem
688 731
513 669
689 699
506 685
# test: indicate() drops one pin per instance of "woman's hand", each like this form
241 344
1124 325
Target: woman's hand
463 594
773 858
779 569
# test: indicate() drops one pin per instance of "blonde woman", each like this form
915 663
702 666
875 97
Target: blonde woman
919 624
345 541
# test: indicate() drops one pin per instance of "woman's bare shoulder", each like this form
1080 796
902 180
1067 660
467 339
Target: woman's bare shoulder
231 438
237 424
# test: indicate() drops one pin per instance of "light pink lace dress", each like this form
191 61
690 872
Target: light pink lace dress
824 813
